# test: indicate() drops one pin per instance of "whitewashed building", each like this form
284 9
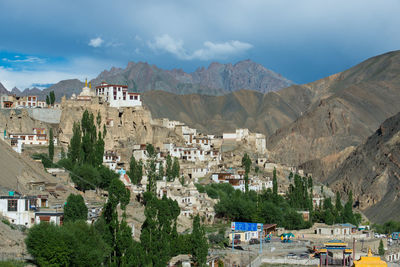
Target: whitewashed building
38 137
20 210
118 95
111 159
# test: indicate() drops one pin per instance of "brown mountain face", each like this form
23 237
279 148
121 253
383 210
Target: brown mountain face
372 172
217 114
346 109
3 90
217 79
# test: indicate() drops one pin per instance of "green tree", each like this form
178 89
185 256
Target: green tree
246 163
160 172
199 243
85 177
338 209
98 119
47 100
274 183
117 234
175 168
348 216
158 236
170 176
381 248
74 148
48 245
75 209
52 98
51 145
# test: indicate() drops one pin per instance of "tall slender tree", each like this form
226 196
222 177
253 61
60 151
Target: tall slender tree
52 98
274 183
51 145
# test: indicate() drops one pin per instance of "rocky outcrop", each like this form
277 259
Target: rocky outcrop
125 126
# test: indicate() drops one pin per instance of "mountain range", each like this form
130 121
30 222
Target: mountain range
217 79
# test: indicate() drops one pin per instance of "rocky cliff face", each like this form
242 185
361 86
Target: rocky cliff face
217 79
125 126
372 172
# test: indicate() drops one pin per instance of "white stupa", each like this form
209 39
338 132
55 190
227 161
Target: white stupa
86 93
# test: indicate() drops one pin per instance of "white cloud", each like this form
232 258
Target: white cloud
209 51
96 42
76 68
28 59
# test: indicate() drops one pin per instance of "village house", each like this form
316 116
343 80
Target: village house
336 230
7 100
118 96
54 217
20 210
38 137
243 236
111 160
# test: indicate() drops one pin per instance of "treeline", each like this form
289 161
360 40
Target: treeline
387 228
331 214
266 207
270 207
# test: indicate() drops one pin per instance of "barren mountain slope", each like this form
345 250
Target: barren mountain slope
344 113
372 172
241 109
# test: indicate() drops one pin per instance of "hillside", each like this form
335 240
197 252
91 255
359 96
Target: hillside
216 114
347 108
14 166
372 172
217 79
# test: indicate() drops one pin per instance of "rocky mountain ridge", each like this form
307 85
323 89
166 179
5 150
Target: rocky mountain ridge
372 172
217 79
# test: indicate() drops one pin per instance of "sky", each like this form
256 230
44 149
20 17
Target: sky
45 41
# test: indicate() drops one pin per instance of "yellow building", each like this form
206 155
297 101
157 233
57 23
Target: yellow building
369 261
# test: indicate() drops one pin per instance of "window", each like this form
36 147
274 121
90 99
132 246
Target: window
131 97
12 204
136 97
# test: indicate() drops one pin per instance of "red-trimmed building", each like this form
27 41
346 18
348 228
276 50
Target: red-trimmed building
118 95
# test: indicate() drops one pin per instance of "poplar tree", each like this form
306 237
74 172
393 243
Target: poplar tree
170 176
75 209
175 168
47 100
199 243
275 183
51 145
246 163
52 98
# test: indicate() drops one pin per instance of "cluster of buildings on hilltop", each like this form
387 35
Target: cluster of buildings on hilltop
114 94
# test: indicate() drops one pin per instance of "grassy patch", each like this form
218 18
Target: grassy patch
12 263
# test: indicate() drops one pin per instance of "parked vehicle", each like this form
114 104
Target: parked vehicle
254 241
